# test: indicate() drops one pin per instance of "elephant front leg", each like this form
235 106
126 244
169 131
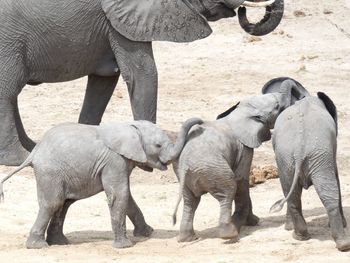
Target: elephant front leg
116 186
137 218
98 93
137 65
243 214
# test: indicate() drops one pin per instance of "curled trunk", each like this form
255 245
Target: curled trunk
173 150
271 20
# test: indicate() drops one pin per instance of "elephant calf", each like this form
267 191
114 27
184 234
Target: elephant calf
217 158
305 145
76 161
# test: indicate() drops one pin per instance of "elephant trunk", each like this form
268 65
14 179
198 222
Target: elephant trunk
173 151
271 20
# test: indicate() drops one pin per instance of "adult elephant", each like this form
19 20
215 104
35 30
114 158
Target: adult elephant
55 41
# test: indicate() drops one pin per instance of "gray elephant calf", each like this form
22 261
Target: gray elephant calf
305 144
217 158
76 161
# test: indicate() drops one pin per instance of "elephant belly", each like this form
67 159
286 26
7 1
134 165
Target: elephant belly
84 190
70 64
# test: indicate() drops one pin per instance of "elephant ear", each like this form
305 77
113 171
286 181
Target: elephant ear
250 129
149 20
297 90
227 112
331 108
125 140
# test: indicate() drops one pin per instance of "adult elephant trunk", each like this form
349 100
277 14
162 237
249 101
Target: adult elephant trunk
271 20
172 151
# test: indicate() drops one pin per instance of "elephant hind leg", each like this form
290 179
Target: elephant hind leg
98 93
191 203
296 214
14 143
224 191
55 234
294 206
327 189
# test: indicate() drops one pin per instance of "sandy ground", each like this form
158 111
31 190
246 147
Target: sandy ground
202 79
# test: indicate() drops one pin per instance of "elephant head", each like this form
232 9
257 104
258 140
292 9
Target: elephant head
273 15
146 144
181 20
252 119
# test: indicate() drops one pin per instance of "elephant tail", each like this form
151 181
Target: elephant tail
26 163
276 207
181 176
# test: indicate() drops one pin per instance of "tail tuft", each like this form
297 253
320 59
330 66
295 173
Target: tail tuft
276 207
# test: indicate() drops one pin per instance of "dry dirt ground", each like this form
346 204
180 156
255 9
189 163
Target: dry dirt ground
202 79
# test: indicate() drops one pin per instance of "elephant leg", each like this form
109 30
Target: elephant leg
224 191
191 203
327 189
55 234
135 215
116 186
289 222
340 199
295 209
243 214
14 143
138 69
50 202
98 93
36 237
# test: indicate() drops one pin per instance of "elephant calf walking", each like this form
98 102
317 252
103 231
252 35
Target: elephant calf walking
305 145
218 154
76 161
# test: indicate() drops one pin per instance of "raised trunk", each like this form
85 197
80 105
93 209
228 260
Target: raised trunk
173 150
271 20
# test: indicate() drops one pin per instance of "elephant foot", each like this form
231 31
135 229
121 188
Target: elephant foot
57 239
289 225
144 231
14 155
34 242
343 244
122 243
301 236
187 237
252 220
228 231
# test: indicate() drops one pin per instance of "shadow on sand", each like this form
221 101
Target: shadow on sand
318 229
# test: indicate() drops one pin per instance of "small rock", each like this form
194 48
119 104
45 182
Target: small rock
250 39
299 13
302 67
327 12
312 56
119 94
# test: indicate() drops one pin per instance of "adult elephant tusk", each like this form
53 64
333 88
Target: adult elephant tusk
257 4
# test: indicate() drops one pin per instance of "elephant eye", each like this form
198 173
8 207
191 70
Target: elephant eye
158 145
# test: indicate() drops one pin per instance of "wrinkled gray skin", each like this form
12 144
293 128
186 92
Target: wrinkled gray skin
305 144
55 41
217 159
76 161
